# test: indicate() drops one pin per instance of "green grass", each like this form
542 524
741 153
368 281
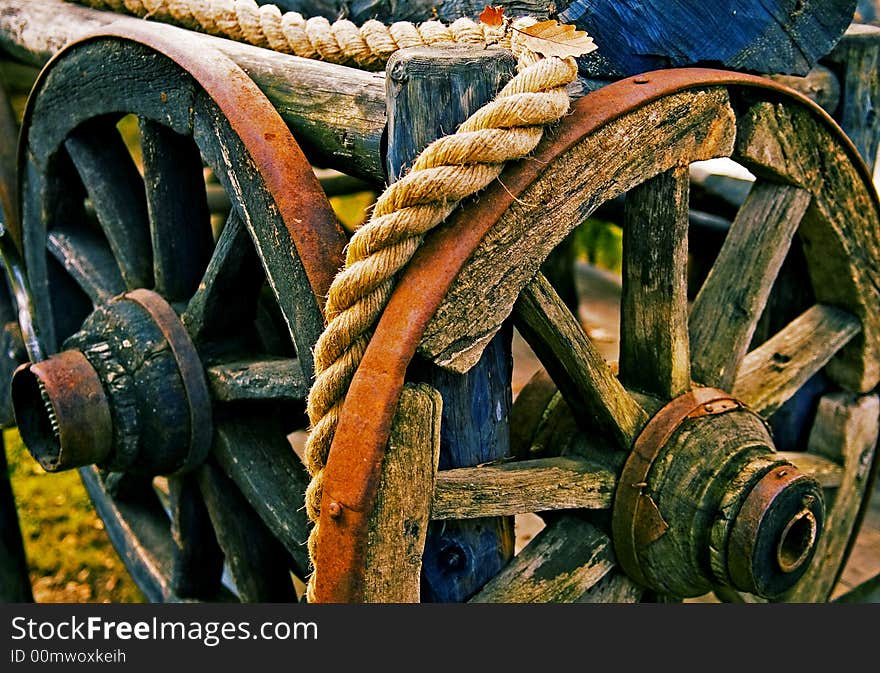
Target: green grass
69 555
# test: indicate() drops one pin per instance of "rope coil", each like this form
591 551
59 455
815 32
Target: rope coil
449 170
368 46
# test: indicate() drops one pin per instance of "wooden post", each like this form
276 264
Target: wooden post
857 60
430 92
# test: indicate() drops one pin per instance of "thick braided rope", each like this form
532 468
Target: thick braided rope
447 171
368 46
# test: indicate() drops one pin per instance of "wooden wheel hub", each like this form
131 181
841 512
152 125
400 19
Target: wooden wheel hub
129 392
702 500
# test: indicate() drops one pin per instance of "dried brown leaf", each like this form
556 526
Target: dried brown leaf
492 16
551 38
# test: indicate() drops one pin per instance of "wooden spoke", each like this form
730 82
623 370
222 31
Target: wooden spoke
258 379
575 365
846 431
116 191
729 305
257 562
254 453
180 223
824 470
523 486
561 564
399 524
774 371
88 259
226 296
140 531
654 354
198 560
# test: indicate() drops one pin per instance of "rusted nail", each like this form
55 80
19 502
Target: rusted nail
709 408
641 80
781 474
334 509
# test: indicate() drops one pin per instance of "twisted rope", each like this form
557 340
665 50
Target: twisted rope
368 47
447 171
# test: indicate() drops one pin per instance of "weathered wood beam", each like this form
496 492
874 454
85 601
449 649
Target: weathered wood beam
399 523
459 556
522 486
258 379
654 351
774 371
561 564
857 58
729 305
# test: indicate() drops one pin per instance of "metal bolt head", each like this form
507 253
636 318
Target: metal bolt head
334 509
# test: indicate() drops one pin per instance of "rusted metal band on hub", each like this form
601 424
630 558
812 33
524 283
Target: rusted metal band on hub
636 521
73 403
189 366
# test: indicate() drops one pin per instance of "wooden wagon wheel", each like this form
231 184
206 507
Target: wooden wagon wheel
179 355
696 498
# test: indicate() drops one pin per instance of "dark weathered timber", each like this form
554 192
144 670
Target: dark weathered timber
257 562
198 560
116 191
459 556
564 560
522 486
399 523
654 354
857 58
446 77
337 113
729 305
257 379
840 238
140 532
639 35
85 255
224 152
846 431
774 371
252 450
180 224
225 297
15 585
575 365
676 129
